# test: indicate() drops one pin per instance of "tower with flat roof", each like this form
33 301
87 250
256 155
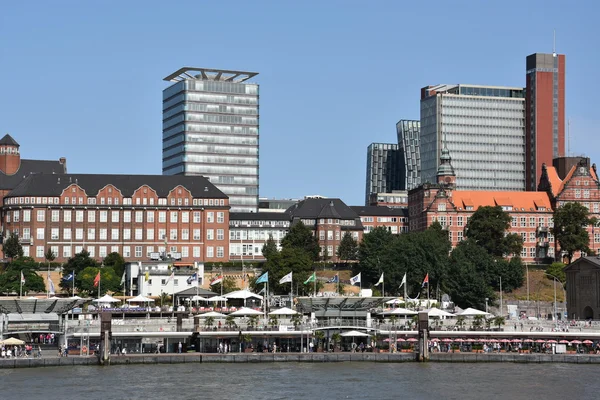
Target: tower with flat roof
210 128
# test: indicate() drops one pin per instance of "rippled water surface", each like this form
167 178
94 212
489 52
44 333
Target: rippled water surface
359 380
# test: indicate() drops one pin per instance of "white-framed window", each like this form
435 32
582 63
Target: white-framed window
26 234
40 215
91 216
39 234
16 216
126 251
114 234
139 233
92 251
185 217
150 216
220 234
66 251
67 215
162 216
196 235
103 216
79 216
330 235
162 234
102 251
54 234
173 234
139 216
78 249
149 249
79 234
220 252
138 251
114 249
103 234
185 234
66 234
220 217
210 217
149 234
26 215
115 216
185 253
197 217
126 234
210 234
91 234
173 217
210 252
196 252
126 216
54 250
39 251
55 216
26 251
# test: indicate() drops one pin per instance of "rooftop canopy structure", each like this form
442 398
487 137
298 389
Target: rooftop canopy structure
209 74
32 306
338 307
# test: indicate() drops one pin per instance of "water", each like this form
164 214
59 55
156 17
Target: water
304 381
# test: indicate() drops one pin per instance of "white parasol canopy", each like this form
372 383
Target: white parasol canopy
283 311
198 298
471 312
354 334
394 301
398 311
245 311
140 299
213 314
216 298
436 312
12 342
106 299
76 298
243 294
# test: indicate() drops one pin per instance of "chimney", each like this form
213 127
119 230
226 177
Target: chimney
63 161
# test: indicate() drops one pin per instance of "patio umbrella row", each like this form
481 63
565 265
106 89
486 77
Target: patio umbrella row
551 341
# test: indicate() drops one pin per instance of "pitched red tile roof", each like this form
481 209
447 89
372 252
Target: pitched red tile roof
518 200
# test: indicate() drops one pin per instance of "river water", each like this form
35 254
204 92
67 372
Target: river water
313 381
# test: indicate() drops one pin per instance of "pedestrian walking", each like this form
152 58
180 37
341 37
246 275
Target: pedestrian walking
179 347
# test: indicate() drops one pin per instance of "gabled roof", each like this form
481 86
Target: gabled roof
27 168
321 208
567 179
554 180
8 141
518 200
380 211
53 185
594 260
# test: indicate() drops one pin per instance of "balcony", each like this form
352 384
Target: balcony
25 240
542 229
543 243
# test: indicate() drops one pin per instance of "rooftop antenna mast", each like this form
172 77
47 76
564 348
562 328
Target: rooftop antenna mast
554 42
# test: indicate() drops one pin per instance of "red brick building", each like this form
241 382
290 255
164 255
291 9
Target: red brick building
394 219
139 216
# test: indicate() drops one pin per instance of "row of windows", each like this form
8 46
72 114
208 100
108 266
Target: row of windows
384 219
79 216
126 251
114 200
125 234
256 234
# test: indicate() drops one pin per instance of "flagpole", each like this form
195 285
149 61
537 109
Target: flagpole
99 282
428 290
315 284
21 287
382 286
73 283
405 296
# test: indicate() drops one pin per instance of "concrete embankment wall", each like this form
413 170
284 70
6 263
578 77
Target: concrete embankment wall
297 357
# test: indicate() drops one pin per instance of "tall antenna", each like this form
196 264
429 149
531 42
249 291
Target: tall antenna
554 42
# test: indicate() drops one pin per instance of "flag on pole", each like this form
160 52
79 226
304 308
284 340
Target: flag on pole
97 280
355 279
123 278
285 279
334 279
171 277
147 276
193 278
311 278
50 286
22 278
380 281
261 290
69 278
426 280
403 281
218 279
264 278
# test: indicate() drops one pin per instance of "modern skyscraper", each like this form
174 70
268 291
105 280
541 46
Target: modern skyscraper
483 128
210 128
544 113
385 169
408 138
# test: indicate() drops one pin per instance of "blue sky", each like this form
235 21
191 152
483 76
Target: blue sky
83 79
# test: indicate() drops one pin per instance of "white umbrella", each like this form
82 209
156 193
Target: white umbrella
198 298
245 311
106 299
213 314
436 312
354 334
243 294
216 298
283 311
471 312
12 341
394 301
76 298
399 311
140 299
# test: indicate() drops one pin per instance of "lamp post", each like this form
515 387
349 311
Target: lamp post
486 304
564 296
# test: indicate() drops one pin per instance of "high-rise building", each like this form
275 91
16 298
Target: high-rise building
483 127
385 169
210 128
408 138
544 113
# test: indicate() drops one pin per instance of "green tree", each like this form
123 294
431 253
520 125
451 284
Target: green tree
373 254
348 248
10 280
570 223
270 249
109 281
77 264
488 227
12 248
49 256
301 237
557 269
116 262
229 285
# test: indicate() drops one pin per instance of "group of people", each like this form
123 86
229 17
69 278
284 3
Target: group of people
21 351
47 338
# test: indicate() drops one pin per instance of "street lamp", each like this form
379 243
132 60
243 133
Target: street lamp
564 294
486 304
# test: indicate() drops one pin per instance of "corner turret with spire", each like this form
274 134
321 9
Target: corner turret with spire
445 172
10 158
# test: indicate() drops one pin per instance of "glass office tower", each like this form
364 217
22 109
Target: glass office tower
484 130
385 169
210 128
408 138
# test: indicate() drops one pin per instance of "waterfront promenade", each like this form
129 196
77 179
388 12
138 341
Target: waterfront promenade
195 358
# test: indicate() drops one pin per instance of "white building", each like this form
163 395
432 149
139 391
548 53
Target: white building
484 130
151 278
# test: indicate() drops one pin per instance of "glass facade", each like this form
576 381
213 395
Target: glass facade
409 139
385 169
211 128
485 134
